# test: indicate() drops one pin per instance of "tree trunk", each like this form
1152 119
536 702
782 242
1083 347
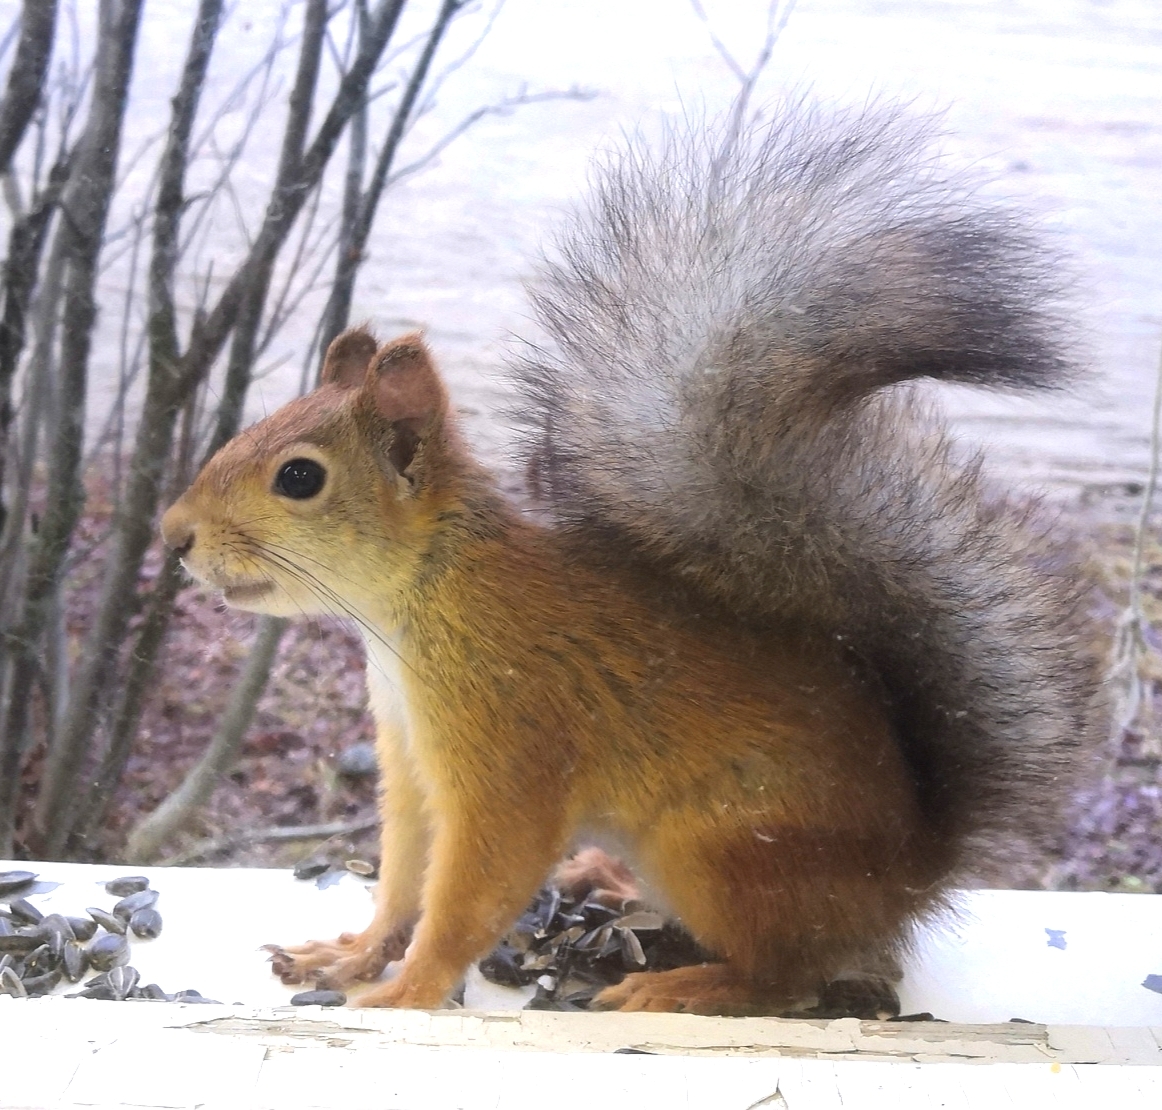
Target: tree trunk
151 833
26 77
85 208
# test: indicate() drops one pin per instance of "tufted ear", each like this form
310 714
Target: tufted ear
405 389
347 358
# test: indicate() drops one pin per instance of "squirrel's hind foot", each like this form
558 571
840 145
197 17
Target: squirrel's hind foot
702 989
593 874
335 964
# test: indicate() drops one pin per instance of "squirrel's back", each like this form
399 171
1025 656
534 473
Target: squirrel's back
722 396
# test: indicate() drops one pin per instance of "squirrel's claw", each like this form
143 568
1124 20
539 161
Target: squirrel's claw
335 964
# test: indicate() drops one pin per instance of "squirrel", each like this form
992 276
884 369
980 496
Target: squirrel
771 633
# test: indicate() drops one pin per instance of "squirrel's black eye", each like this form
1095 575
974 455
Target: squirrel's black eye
300 479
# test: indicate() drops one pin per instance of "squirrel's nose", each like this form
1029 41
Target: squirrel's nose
177 531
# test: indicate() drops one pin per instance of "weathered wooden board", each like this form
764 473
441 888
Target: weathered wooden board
998 963
61 1054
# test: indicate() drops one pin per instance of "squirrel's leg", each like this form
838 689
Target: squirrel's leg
782 909
485 867
404 837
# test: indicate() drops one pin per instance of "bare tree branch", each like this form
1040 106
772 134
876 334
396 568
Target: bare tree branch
154 829
351 252
502 107
204 849
778 12
25 244
433 87
1130 636
164 346
26 77
723 50
54 813
210 334
85 208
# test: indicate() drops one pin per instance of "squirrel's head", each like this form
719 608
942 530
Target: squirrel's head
330 504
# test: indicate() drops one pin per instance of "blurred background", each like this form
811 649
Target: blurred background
198 195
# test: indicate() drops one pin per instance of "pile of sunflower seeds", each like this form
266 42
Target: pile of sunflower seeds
572 949
38 952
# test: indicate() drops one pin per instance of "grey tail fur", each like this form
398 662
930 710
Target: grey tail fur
730 327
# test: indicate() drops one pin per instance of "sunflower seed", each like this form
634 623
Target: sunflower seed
130 904
74 961
13 881
110 923
25 912
146 922
127 884
11 985
83 927
108 951
38 985
121 980
318 998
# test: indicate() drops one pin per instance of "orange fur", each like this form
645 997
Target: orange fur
524 694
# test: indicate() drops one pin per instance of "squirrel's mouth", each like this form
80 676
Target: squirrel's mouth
246 591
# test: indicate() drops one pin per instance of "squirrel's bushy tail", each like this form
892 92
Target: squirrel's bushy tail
728 326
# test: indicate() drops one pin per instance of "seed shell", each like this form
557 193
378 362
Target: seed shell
40 960
108 951
20 941
74 962
104 918
13 881
127 884
121 980
38 985
146 923
25 912
310 868
10 984
194 996
84 928
318 998
130 904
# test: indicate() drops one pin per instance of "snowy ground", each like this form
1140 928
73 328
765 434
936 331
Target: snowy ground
1060 100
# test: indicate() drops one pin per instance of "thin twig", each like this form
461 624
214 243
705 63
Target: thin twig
1130 635
778 12
280 833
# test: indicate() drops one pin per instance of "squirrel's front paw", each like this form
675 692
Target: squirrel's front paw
339 963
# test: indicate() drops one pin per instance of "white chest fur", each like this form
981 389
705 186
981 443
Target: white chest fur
386 691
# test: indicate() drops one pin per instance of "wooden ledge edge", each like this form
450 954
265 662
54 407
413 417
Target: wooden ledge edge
661 1034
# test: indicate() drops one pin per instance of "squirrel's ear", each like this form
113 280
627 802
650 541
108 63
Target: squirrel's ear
347 359
406 391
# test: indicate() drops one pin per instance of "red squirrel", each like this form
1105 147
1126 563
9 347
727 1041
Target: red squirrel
803 664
